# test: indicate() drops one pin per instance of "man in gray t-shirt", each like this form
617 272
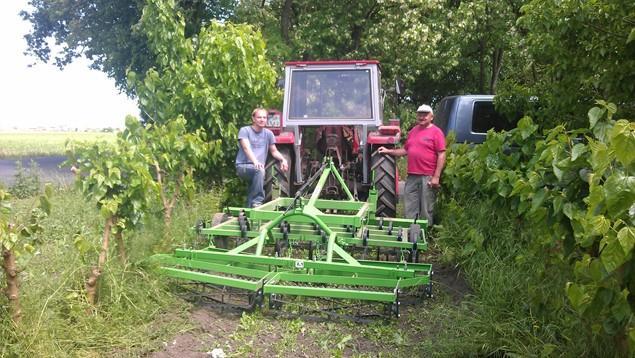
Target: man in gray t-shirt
254 142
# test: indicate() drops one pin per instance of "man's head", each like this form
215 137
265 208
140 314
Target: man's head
424 115
259 117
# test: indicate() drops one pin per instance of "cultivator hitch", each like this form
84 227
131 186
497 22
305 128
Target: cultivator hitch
307 246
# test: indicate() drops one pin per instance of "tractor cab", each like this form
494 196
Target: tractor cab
334 109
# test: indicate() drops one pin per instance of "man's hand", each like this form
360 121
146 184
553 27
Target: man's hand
259 166
383 150
434 182
284 165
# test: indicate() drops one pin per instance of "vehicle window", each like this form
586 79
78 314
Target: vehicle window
342 94
442 113
485 118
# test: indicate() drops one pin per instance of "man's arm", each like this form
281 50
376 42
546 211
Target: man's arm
276 154
397 152
244 143
435 181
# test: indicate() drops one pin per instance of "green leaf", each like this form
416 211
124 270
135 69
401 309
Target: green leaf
595 114
577 151
538 199
558 203
599 225
612 256
619 191
602 130
579 296
623 141
45 204
600 157
626 238
29 248
526 127
631 37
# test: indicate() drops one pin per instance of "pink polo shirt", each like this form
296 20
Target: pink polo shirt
423 146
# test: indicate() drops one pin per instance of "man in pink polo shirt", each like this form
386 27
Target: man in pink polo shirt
425 148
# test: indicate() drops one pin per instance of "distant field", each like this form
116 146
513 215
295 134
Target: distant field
23 144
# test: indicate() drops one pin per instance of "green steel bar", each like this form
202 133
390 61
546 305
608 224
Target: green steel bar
412 282
329 219
396 265
330 292
339 178
318 188
209 266
329 247
244 246
213 279
339 204
265 231
345 255
338 280
295 263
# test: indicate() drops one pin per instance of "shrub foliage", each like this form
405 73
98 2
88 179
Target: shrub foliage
575 191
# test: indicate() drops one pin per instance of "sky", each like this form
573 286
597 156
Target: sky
42 96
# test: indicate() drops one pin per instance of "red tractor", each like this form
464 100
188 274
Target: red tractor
334 108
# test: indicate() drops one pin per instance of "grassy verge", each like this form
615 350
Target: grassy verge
25 144
517 307
136 310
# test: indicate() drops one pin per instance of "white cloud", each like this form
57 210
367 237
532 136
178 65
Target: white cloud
44 96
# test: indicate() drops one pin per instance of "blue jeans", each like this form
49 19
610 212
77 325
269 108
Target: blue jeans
256 180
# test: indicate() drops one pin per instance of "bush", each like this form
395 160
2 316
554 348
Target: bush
27 181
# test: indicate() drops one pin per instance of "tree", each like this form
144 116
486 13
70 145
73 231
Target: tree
438 48
117 178
578 52
17 237
172 154
101 30
213 79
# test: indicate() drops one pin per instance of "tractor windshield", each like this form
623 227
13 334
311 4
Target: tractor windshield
332 94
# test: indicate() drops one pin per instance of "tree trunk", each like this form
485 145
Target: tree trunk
285 20
13 288
121 247
497 64
481 61
91 283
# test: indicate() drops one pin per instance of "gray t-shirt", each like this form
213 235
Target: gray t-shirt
259 141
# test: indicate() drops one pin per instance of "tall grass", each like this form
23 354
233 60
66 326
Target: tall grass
136 309
26 144
517 306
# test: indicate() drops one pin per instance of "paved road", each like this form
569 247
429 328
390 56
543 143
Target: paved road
48 167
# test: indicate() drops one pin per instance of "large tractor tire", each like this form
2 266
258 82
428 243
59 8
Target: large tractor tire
385 177
282 178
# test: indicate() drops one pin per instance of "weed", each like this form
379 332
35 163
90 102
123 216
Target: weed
27 181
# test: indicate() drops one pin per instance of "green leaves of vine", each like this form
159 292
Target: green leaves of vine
580 184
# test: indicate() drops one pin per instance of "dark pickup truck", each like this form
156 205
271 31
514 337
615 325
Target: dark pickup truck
470 117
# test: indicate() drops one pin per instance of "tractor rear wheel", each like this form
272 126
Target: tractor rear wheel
385 180
274 172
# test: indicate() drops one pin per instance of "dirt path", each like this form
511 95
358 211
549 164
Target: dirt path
269 333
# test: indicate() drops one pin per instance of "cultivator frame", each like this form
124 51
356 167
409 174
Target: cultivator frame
307 247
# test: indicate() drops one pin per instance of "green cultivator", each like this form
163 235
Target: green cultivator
307 246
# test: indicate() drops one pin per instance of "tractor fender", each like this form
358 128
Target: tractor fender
385 135
285 138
